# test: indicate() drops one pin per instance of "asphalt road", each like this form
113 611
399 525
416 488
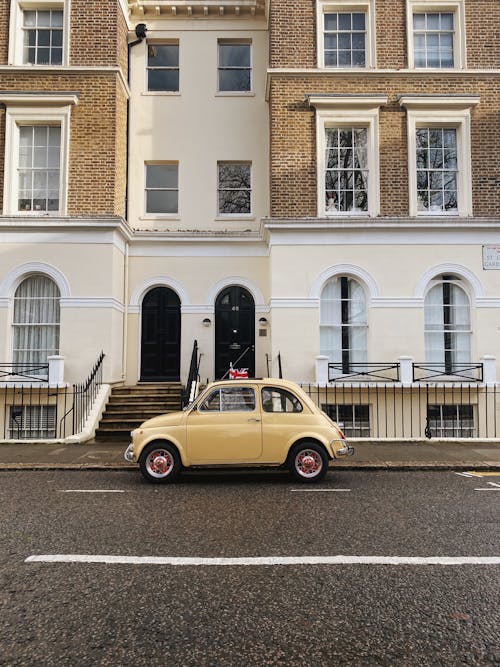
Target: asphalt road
357 613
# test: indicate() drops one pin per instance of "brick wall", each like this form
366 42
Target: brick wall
97 137
292 33
98 33
4 30
293 142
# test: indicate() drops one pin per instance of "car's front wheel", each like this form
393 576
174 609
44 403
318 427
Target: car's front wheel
308 462
160 462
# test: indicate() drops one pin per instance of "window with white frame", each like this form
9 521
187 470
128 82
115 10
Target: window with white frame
234 188
39 168
43 36
346 170
36 321
234 73
347 145
30 422
345 39
163 67
436 37
448 330
436 169
346 34
162 188
39 33
450 421
439 154
343 325
354 420
36 152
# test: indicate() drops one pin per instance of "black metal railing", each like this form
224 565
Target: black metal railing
38 411
193 378
393 410
84 395
366 372
445 372
21 372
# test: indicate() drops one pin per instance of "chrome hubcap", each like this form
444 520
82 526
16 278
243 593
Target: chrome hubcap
159 463
308 463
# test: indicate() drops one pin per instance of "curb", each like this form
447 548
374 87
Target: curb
361 465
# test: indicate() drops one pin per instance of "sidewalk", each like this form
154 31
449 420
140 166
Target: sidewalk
394 456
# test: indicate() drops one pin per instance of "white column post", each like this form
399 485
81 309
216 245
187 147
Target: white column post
56 369
406 370
321 369
489 369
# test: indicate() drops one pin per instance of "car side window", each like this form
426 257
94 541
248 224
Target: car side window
279 400
230 399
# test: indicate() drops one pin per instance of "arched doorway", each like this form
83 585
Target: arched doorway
234 331
160 336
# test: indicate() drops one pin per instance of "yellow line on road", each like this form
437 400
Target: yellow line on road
478 473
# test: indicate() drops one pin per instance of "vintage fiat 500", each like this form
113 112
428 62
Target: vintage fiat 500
239 423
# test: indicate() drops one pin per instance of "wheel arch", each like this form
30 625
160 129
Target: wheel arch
313 439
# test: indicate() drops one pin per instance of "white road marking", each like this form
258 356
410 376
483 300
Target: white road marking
91 491
487 489
465 474
319 490
266 560
495 484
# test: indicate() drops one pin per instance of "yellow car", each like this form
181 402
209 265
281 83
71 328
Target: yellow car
240 423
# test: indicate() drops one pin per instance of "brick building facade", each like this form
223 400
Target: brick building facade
310 181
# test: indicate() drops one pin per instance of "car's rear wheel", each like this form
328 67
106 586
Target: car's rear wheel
308 462
160 462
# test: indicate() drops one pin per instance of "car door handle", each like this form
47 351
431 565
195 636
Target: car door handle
252 419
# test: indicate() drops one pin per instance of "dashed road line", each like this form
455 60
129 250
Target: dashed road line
265 560
91 491
319 490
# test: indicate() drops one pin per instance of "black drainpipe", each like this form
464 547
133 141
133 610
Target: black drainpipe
140 32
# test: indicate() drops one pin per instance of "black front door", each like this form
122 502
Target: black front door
234 331
160 336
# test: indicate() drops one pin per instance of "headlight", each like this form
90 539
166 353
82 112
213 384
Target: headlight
132 433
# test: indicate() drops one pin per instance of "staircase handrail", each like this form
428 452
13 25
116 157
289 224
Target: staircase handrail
192 383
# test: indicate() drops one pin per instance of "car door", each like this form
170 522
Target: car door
284 418
226 427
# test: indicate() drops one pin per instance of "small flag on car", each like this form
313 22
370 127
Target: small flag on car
237 373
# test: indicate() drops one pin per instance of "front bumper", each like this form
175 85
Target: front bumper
128 454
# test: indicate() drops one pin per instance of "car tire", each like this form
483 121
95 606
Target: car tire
308 462
160 462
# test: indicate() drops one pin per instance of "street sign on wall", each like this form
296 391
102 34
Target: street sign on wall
491 257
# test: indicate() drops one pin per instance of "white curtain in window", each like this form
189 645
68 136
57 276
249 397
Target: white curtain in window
332 322
36 320
457 324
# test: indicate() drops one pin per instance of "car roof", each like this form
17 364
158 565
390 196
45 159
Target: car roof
260 381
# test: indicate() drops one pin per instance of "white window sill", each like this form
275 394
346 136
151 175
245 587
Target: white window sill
38 214
235 93
331 68
347 214
231 216
160 216
161 93
440 214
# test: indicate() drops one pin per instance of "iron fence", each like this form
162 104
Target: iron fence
38 411
373 372
393 410
23 372
447 372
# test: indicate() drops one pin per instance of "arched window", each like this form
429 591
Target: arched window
343 324
447 324
36 320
